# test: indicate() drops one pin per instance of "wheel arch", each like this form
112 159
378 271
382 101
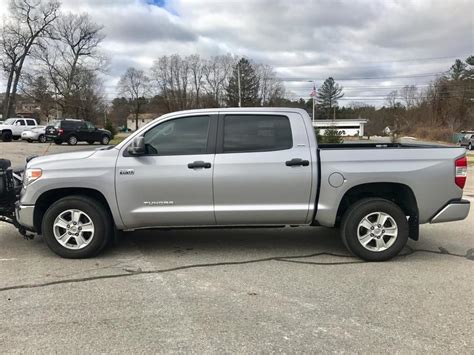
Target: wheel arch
400 194
46 199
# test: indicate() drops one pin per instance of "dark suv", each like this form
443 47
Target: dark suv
73 131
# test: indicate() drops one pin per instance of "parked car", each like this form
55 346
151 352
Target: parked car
37 134
74 131
242 167
12 128
467 141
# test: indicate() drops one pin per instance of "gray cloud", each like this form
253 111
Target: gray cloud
306 39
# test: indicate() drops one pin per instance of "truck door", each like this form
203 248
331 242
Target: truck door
171 185
262 170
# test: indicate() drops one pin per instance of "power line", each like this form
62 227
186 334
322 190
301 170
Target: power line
370 78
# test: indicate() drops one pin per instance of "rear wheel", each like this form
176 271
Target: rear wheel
105 140
374 229
72 140
7 136
42 138
76 227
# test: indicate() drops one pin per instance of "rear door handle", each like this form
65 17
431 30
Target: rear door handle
297 162
199 164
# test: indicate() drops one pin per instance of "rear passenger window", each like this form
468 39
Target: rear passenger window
256 133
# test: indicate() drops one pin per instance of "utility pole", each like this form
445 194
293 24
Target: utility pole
313 95
238 81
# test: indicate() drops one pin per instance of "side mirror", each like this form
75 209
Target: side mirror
137 147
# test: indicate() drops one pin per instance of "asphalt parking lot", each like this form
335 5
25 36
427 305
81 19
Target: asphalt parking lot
291 290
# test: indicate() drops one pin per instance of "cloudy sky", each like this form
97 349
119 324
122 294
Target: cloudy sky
370 47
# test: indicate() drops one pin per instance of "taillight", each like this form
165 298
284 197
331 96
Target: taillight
60 132
461 172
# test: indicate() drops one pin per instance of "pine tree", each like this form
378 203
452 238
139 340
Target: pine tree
328 95
249 85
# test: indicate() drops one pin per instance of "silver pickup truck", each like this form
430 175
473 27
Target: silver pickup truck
259 167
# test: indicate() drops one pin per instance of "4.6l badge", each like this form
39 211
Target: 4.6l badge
127 172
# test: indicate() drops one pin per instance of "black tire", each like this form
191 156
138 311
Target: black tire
105 140
97 213
5 164
58 141
90 142
7 136
15 138
356 214
72 140
470 146
42 138
29 140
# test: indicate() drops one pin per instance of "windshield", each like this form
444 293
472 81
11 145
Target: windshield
10 121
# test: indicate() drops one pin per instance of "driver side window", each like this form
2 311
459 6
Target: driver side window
181 136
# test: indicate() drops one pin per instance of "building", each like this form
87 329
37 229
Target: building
143 119
355 127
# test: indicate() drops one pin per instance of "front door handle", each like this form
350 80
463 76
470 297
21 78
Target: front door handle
199 164
297 162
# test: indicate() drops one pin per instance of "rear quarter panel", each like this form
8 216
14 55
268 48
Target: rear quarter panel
429 172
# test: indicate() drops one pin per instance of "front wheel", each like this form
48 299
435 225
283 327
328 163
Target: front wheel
58 142
374 229
76 227
42 138
6 136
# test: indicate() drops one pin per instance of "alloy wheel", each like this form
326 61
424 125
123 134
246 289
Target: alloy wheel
73 229
377 231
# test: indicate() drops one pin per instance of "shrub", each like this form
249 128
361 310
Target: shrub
110 127
332 135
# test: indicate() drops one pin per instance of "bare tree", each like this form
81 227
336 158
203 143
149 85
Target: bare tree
171 75
135 86
68 55
217 71
28 21
196 67
409 95
391 99
271 88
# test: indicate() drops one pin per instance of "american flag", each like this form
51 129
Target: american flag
313 92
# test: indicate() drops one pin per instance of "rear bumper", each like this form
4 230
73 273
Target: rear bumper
453 211
24 215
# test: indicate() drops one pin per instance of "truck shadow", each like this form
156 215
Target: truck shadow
238 240
256 243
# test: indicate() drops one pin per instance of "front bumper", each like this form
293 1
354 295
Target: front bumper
32 136
453 211
25 215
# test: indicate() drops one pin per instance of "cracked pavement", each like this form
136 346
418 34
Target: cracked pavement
239 291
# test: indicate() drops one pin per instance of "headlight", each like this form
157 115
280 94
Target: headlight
31 175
